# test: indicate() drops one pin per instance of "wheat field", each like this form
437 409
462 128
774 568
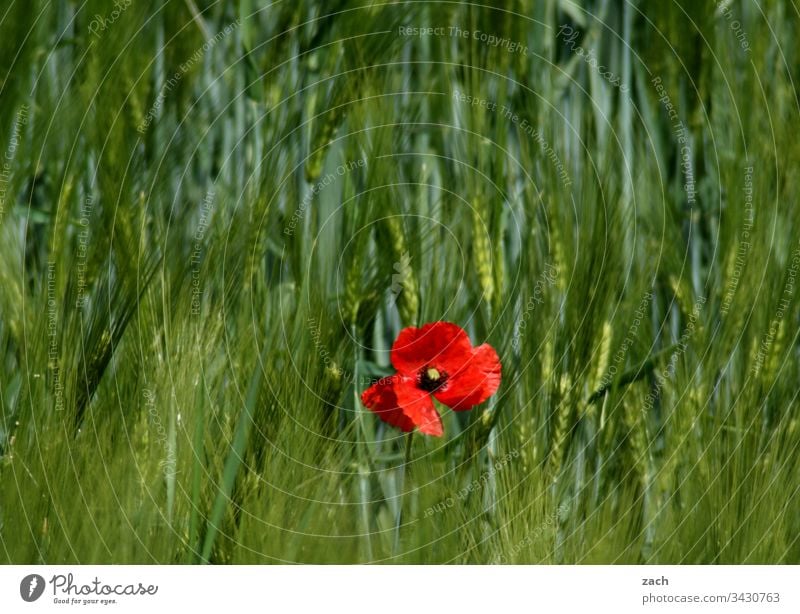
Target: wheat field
217 217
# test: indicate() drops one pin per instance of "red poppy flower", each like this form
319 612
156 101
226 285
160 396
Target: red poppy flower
436 360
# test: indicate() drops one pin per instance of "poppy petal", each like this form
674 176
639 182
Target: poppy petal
476 381
442 344
418 405
381 399
398 402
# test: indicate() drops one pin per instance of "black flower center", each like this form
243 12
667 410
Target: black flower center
431 379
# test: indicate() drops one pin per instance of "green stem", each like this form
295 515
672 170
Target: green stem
401 494
197 469
363 461
233 462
